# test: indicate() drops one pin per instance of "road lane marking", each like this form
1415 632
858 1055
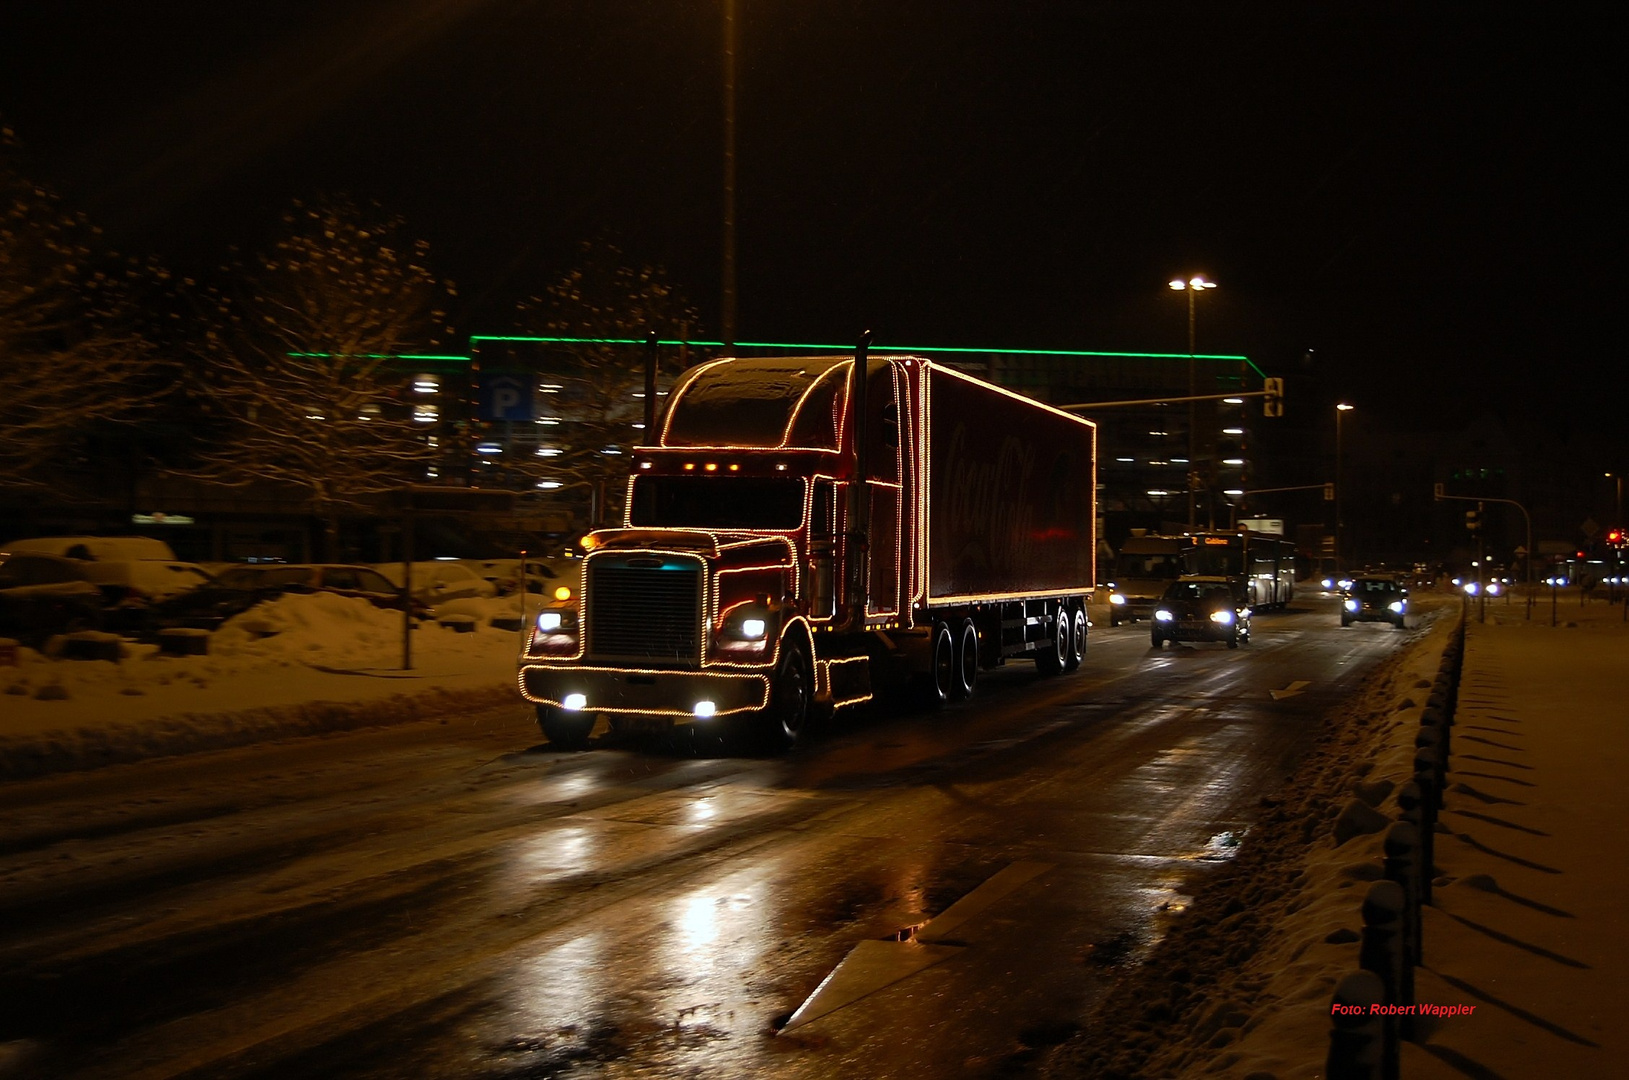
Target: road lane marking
872 965
1290 691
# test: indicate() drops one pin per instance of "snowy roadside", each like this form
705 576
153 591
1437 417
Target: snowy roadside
300 665
1525 928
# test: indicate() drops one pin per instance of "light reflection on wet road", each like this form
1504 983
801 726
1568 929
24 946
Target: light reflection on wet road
453 900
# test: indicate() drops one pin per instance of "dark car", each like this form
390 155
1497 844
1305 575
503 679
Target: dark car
1374 598
1202 609
44 595
240 588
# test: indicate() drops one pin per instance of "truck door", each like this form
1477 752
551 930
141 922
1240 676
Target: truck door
822 550
885 493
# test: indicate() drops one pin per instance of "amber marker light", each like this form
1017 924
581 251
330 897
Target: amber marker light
562 593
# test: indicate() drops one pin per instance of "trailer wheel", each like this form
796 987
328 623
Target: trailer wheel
1050 660
567 730
935 686
1077 640
967 659
789 698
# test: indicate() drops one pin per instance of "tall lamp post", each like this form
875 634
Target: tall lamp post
1340 411
1193 287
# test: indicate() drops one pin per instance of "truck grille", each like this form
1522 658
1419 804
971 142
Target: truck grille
644 614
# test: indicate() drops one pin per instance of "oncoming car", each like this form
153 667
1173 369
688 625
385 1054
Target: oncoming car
1202 609
1374 598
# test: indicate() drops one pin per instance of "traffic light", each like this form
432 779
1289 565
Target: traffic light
1273 403
1615 537
1473 520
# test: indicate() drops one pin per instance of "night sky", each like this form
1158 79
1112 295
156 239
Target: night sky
1424 199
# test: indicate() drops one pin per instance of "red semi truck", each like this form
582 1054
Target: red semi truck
797 539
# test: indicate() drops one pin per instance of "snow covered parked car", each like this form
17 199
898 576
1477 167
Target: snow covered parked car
237 590
42 595
437 581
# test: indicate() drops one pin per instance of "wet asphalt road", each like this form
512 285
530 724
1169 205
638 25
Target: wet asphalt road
453 899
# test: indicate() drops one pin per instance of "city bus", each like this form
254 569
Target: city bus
1264 564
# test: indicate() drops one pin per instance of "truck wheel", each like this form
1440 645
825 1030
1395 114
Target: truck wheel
789 698
967 659
1077 640
1049 661
567 730
935 686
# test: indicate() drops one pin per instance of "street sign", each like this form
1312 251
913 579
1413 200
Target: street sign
505 397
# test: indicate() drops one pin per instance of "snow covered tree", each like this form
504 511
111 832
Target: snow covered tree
299 362
600 399
74 361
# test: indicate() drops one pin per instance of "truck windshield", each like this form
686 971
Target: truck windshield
717 502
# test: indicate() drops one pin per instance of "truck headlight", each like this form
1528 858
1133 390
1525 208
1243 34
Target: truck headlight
1116 598
1163 615
1221 618
1352 605
550 622
743 632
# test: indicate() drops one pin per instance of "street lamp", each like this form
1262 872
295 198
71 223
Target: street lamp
1340 410
1193 287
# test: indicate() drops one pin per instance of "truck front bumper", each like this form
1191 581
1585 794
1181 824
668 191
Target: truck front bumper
687 694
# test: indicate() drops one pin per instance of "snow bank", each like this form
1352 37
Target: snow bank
293 666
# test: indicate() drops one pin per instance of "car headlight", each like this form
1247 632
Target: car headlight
1471 587
1222 618
1329 583
1163 615
1351 605
1345 583
1397 606
1116 598
1493 588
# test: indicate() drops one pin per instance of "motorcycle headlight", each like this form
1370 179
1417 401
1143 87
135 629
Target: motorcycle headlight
1163 615
1221 618
1351 605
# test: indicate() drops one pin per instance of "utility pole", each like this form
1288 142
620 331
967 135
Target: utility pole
729 176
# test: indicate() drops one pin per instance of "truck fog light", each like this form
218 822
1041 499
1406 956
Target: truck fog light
704 709
574 702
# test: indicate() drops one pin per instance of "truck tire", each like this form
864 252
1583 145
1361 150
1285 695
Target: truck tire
967 659
1049 659
567 730
786 720
1077 640
934 687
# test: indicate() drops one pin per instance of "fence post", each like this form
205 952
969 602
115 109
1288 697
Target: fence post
1356 1037
1402 865
1381 952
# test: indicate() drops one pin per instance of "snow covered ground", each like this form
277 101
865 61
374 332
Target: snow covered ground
1527 922
298 665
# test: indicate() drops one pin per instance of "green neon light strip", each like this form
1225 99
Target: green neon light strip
874 348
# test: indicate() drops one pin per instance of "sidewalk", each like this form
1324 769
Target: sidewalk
1531 928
